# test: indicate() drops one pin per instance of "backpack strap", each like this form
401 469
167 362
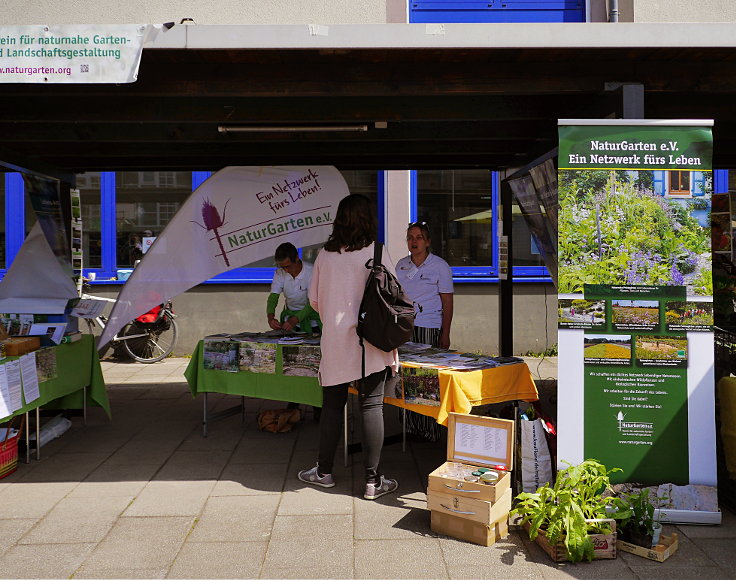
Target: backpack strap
377 253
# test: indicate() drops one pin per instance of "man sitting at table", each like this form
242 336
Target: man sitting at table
292 277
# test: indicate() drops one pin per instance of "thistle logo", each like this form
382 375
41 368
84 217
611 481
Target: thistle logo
212 222
629 425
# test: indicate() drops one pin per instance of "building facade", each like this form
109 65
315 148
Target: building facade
123 210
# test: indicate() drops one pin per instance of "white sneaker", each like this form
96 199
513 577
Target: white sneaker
384 486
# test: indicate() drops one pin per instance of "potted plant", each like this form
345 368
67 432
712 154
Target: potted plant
571 510
635 513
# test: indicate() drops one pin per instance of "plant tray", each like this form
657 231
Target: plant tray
667 546
604 545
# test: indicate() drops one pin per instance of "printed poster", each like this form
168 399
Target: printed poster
635 302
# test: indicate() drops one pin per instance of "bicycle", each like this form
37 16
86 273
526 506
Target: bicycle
148 339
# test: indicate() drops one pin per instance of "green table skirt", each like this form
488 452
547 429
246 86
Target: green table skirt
276 387
77 366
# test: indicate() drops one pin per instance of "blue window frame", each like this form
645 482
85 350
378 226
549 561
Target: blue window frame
497 11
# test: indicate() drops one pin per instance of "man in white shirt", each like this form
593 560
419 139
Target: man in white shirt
292 278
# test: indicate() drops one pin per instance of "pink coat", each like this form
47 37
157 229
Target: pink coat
338 281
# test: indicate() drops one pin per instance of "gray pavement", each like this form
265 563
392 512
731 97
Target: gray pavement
146 496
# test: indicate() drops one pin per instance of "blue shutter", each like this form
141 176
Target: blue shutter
697 183
660 182
497 11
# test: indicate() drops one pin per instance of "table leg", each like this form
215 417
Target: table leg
28 438
38 433
204 417
84 404
403 430
242 409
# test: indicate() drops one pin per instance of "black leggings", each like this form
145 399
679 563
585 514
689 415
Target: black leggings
370 394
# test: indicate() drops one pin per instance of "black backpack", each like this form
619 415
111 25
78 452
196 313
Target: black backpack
386 315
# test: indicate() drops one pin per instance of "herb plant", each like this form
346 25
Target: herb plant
562 509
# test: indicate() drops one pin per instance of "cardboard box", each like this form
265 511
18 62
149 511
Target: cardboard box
469 530
604 545
477 510
667 546
476 442
20 345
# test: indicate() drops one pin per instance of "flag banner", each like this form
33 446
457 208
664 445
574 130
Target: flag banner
635 304
238 216
73 53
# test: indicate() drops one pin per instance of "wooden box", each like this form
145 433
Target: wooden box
469 530
469 508
20 345
604 545
667 546
474 442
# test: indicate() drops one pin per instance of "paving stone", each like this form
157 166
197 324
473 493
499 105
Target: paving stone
247 479
171 498
150 543
219 560
236 519
418 558
12 530
32 500
43 560
115 480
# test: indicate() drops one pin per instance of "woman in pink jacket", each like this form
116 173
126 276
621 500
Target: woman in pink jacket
338 281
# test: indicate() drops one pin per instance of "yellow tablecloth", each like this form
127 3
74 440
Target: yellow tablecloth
462 390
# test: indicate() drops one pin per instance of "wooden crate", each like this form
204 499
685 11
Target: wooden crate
604 545
469 530
20 345
667 546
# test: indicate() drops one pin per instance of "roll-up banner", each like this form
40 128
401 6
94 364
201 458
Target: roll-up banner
635 307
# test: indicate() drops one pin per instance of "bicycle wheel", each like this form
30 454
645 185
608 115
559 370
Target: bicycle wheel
150 344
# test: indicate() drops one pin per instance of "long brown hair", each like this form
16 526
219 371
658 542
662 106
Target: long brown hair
355 225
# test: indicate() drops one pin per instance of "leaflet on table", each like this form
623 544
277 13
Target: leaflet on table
5 403
29 376
53 329
12 374
88 308
46 364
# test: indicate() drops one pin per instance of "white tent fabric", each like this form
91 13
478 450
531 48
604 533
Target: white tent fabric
238 216
36 283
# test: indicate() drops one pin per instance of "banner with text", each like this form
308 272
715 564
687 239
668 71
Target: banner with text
635 305
238 216
72 53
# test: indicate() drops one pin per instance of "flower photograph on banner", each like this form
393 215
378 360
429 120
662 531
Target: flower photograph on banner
618 227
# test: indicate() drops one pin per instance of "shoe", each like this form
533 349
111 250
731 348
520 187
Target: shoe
384 486
311 476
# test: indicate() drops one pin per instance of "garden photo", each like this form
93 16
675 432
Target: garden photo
258 357
618 227
607 348
640 314
581 313
689 314
662 348
421 385
301 360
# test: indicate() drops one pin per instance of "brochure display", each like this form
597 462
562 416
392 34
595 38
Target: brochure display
635 310
251 365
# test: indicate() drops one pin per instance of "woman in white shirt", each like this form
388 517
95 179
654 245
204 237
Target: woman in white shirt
338 281
427 280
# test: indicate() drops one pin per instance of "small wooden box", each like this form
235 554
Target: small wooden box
20 345
477 442
477 510
469 530
667 546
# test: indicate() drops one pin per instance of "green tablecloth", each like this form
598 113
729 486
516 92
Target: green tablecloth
276 387
77 366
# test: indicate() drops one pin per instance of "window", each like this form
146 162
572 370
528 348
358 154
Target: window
145 201
457 206
89 194
679 182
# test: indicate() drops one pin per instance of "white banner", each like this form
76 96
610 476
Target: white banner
72 53
238 216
